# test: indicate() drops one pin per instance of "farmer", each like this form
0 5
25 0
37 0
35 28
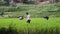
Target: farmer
21 17
28 17
46 17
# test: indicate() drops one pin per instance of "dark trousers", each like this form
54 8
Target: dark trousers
28 21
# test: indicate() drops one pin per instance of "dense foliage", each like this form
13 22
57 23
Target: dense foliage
52 10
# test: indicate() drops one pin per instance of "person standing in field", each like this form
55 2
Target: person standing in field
28 17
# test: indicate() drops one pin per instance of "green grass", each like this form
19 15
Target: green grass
36 26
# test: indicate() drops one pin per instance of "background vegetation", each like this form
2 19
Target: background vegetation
52 10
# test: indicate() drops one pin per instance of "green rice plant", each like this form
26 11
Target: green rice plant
37 25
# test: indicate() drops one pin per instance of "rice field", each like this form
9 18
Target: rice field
37 25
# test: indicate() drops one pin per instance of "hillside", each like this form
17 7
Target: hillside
52 10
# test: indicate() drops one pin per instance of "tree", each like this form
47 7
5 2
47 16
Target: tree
2 13
24 1
7 2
